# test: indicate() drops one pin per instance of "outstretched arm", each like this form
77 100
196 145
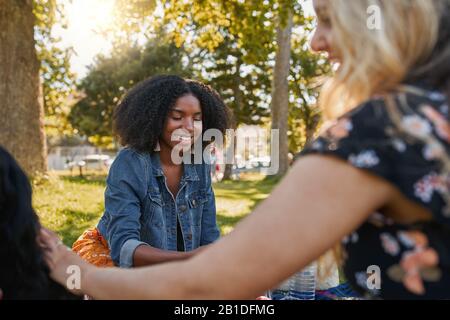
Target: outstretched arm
321 200
145 255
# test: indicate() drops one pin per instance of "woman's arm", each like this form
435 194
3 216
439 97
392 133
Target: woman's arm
145 255
321 200
126 189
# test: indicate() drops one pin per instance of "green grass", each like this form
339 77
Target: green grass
70 204
236 199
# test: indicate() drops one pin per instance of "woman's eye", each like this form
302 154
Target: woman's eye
176 118
198 119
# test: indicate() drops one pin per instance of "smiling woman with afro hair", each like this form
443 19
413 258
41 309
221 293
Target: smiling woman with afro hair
156 209
140 117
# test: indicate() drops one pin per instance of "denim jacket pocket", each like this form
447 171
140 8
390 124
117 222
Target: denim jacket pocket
197 201
156 198
153 202
153 225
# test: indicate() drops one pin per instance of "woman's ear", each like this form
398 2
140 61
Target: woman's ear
1 294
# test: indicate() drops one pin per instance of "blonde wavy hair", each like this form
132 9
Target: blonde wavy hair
376 61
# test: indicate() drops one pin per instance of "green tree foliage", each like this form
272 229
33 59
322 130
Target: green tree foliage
239 37
207 23
308 71
56 77
236 39
230 44
243 86
133 21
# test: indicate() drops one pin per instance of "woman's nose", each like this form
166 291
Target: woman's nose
318 42
189 125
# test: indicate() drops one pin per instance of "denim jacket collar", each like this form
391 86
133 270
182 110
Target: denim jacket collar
156 165
190 174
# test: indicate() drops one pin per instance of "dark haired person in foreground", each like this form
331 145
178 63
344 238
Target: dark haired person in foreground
379 174
156 209
23 271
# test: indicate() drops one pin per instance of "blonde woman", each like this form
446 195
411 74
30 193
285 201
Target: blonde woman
378 177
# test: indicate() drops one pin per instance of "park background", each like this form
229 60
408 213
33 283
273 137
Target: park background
65 64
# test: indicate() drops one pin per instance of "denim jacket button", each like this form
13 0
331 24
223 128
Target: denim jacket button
189 236
183 208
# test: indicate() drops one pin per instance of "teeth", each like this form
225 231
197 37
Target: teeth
184 138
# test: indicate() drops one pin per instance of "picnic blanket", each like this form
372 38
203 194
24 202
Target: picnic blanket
341 292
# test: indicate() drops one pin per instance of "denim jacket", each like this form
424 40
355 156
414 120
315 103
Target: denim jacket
139 209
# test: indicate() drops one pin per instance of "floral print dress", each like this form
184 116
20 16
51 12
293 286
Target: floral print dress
403 138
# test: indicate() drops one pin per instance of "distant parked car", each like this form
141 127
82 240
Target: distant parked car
92 162
260 162
96 161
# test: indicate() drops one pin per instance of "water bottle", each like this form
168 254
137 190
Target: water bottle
300 286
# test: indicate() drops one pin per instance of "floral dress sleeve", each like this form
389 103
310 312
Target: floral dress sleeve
359 138
410 150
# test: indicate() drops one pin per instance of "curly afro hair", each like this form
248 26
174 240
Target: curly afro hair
140 117
23 271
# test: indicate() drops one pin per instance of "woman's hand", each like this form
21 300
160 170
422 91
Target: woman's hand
63 263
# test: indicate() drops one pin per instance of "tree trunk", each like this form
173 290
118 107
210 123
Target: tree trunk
228 171
239 101
280 91
311 128
21 123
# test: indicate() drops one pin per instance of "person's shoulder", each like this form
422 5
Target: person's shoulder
368 120
203 167
203 170
398 107
128 158
373 112
131 167
128 153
